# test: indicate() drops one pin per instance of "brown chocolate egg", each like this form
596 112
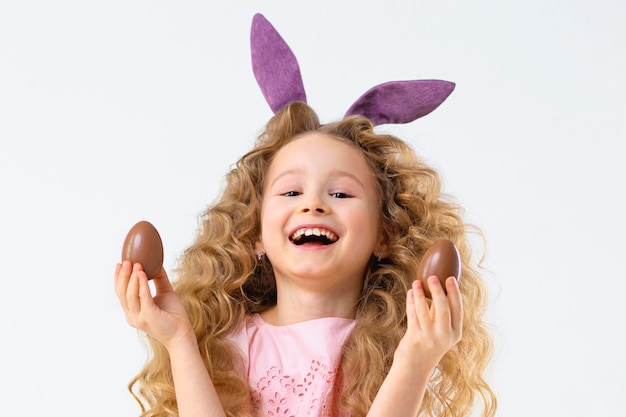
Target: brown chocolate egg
143 245
441 259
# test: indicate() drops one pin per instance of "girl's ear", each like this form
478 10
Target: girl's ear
380 251
259 252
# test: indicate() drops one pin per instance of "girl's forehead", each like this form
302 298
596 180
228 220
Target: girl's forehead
318 150
322 155
318 145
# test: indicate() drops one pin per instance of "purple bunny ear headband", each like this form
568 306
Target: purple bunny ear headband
278 74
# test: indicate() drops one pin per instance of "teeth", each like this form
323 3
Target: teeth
314 231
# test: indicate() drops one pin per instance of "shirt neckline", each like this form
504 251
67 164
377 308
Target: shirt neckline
259 320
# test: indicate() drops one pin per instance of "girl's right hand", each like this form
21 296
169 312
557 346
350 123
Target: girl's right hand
163 316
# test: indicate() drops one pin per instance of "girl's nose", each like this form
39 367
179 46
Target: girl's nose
317 210
315 204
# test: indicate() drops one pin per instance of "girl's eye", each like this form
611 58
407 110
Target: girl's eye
340 195
291 194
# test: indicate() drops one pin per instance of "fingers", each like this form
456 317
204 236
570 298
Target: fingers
440 309
122 276
132 289
132 295
433 326
162 283
446 307
416 302
456 303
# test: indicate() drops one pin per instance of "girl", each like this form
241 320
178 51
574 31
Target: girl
299 295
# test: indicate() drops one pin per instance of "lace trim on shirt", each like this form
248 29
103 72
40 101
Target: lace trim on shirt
286 397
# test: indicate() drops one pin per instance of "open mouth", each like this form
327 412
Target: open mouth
313 235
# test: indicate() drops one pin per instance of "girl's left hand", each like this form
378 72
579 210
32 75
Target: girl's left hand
431 330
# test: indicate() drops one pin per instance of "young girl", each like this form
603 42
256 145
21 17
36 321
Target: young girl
299 295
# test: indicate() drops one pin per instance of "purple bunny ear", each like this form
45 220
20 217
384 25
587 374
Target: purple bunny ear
275 66
401 101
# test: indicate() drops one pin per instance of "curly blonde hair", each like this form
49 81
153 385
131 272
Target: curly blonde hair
220 280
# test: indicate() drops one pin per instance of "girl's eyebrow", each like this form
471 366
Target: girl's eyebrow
295 171
338 173
335 173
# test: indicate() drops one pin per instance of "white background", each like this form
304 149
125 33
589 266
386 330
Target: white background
117 111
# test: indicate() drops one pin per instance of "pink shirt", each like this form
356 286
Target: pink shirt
291 369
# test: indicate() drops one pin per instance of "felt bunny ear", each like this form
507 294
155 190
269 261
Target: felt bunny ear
274 65
278 74
401 101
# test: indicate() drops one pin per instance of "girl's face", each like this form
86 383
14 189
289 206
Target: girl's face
320 217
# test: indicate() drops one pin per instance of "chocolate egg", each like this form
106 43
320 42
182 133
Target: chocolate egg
143 245
441 259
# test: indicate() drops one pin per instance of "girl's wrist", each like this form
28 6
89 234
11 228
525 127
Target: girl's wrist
185 342
413 371
414 360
